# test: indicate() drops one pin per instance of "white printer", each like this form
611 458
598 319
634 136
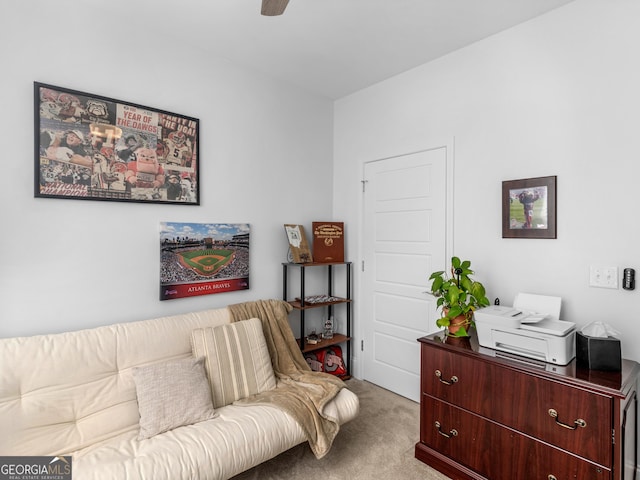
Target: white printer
530 328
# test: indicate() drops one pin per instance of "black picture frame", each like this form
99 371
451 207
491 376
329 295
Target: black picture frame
91 147
529 208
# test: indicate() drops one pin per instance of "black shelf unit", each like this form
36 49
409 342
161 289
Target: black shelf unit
301 306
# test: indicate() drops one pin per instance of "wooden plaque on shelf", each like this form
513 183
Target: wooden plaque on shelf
328 242
298 244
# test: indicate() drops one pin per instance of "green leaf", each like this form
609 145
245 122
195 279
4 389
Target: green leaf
443 322
436 274
437 284
455 262
477 290
465 265
452 295
462 295
466 283
461 332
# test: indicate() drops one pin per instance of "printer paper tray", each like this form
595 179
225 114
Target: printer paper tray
548 348
520 344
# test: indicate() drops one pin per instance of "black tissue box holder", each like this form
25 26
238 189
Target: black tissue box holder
596 353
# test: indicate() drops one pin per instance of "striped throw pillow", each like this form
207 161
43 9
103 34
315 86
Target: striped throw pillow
236 360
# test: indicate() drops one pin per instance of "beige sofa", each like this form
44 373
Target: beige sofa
74 394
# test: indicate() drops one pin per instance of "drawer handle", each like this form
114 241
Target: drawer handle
552 477
576 423
453 380
452 433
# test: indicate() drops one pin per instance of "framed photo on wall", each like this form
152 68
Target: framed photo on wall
203 258
529 208
90 147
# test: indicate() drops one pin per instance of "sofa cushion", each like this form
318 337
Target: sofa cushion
238 439
236 359
67 391
172 394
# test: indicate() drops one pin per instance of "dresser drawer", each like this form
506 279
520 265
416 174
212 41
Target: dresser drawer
573 419
456 434
495 451
457 379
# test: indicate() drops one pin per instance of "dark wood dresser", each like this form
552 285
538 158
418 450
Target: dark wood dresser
485 414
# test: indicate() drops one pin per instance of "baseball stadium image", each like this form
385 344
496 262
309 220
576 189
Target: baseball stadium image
199 259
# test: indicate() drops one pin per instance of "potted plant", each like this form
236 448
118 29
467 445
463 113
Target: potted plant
458 297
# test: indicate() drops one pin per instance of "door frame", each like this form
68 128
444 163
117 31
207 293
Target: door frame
448 144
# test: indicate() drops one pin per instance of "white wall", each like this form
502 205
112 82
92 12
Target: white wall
558 95
68 264
555 96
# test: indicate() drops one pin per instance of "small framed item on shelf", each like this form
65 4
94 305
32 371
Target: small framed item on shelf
328 241
298 245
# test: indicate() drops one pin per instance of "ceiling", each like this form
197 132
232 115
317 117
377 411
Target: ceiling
329 47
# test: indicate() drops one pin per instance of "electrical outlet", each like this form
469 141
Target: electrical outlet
603 277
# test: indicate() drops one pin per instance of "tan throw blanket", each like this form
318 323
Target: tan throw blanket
300 392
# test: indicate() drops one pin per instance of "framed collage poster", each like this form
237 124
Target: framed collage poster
90 147
203 258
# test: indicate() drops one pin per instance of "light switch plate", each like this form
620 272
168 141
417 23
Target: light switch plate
603 277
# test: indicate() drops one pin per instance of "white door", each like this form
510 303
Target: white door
405 239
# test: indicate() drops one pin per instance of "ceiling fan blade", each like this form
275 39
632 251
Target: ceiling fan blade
271 8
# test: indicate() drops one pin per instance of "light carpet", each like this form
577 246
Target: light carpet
378 444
